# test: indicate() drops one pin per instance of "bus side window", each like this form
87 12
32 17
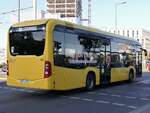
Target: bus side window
59 48
74 57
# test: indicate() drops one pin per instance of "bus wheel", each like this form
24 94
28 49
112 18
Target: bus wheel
90 82
131 76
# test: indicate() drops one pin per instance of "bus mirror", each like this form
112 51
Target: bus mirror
145 52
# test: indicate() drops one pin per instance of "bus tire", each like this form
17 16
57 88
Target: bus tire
131 76
90 82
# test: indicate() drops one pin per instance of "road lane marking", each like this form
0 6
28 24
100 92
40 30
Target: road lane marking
130 97
14 89
144 99
76 98
105 94
5 91
87 99
143 88
144 81
115 95
118 104
4 88
90 92
132 107
103 102
20 90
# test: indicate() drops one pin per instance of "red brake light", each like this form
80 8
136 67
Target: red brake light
47 69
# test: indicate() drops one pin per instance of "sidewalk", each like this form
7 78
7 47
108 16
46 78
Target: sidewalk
145 109
145 70
3 77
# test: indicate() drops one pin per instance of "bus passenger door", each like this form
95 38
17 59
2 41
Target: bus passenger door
105 68
138 64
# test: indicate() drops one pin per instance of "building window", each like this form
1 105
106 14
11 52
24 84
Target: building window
133 33
118 32
128 33
142 42
123 33
114 31
137 33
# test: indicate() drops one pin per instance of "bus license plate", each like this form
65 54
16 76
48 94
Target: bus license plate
25 81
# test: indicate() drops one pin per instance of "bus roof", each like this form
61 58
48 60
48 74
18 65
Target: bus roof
30 23
78 26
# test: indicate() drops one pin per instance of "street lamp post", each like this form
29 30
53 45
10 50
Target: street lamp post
116 8
18 10
35 9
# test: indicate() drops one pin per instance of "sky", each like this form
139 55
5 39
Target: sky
133 14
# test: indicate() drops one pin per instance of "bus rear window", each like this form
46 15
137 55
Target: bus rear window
27 41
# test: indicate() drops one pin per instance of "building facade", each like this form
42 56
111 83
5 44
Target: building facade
65 8
2 55
141 35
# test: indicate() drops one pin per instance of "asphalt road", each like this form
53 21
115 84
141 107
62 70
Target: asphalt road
115 98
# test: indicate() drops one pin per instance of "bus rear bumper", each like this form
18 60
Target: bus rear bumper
41 84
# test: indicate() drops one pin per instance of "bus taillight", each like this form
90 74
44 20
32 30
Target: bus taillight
47 69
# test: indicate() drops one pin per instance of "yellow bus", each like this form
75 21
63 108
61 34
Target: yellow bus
57 55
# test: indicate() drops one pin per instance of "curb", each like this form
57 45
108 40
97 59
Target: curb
3 78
